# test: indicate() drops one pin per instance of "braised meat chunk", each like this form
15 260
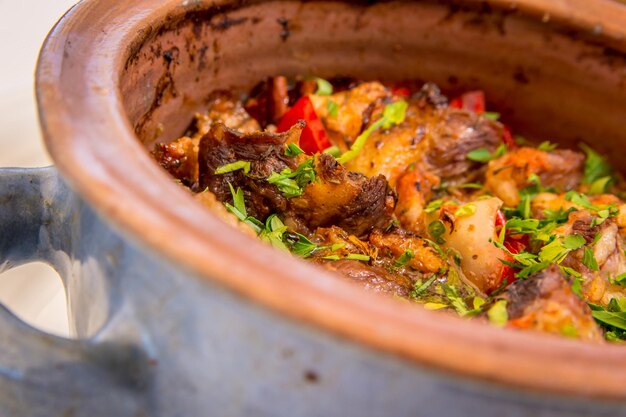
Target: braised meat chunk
453 137
265 153
346 199
560 169
546 302
371 278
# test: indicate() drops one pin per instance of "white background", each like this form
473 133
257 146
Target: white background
34 291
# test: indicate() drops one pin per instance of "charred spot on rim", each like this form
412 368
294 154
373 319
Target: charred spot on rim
311 376
520 76
198 16
285 31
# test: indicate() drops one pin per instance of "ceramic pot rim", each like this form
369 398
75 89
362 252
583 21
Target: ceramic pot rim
95 148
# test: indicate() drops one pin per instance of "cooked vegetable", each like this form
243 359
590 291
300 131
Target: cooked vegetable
313 138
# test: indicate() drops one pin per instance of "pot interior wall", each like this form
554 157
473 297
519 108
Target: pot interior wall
549 83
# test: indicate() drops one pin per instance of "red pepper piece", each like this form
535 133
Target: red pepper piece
500 219
514 244
470 101
314 138
401 91
507 138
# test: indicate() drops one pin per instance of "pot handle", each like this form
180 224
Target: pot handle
42 374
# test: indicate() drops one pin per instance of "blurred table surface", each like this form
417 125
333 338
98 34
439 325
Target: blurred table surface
34 292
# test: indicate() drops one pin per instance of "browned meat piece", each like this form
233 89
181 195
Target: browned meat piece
391 152
227 111
561 169
430 96
352 107
348 244
607 247
395 243
346 199
179 158
269 101
437 138
452 135
371 278
265 152
546 302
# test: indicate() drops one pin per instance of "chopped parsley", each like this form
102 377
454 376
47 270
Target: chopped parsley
333 151
292 183
618 280
332 107
303 247
274 232
589 260
547 146
596 166
600 186
484 155
238 208
324 88
358 257
558 249
612 318
293 150
419 287
437 229
491 115
350 256
404 259
433 206
465 210
497 314
456 301
234 166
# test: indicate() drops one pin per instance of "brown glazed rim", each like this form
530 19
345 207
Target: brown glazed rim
95 148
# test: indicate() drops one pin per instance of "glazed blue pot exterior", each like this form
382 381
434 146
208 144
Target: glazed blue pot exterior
155 340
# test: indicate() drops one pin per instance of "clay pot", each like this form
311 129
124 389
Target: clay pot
178 314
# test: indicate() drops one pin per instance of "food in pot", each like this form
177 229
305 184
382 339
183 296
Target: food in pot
404 192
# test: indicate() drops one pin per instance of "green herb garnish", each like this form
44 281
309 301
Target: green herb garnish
333 151
483 155
238 208
618 280
358 257
420 287
324 88
292 183
234 166
433 206
332 107
596 166
293 150
465 210
404 259
600 186
589 260
437 229
497 313
547 146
